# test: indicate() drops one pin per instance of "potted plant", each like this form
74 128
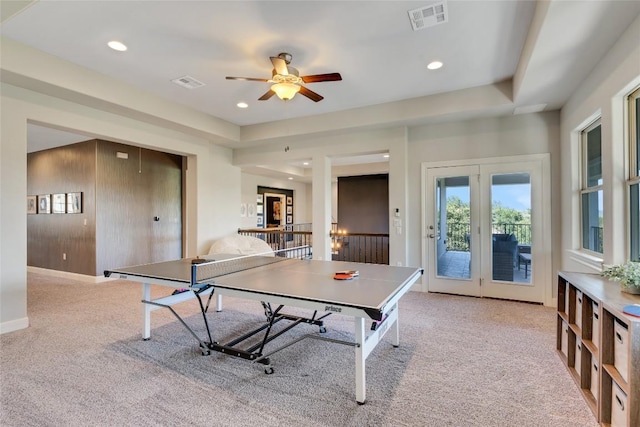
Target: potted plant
627 274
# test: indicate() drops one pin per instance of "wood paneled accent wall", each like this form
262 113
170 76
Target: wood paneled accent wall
139 209
132 207
67 169
363 203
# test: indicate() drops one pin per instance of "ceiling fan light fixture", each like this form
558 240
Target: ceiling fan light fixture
285 91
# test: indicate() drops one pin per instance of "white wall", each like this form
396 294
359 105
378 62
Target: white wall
13 221
601 94
209 166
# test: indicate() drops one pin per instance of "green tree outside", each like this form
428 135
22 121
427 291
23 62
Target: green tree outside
504 220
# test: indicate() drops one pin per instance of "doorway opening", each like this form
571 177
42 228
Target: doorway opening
275 205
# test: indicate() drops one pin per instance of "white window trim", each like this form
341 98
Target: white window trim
632 174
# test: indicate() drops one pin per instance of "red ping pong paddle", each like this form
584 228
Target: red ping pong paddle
346 274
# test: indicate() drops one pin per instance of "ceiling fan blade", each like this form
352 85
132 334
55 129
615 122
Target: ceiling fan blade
331 77
280 65
267 95
310 94
247 78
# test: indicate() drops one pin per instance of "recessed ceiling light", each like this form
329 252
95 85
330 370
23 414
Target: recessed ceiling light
386 156
242 105
116 45
290 178
306 163
434 65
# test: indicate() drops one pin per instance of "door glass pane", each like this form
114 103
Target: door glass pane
453 220
592 221
511 227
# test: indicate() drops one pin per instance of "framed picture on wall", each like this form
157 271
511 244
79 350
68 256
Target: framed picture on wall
289 210
32 204
251 210
58 203
289 219
243 209
259 209
260 220
260 198
44 203
289 200
74 202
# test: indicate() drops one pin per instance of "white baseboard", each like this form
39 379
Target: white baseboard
14 325
66 275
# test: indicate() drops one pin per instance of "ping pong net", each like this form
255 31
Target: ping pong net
203 272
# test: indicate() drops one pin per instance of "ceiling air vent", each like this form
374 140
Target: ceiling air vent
428 16
188 82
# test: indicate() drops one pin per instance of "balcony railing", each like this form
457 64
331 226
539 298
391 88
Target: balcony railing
458 234
595 237
369 248
278 238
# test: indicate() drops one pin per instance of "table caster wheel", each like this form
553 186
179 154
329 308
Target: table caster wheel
323 329
206 353
268 370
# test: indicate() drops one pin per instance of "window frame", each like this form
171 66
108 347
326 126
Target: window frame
584 187
633 177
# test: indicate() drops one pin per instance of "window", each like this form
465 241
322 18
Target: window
591 192
634 176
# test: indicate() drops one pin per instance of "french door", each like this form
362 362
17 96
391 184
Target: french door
484 233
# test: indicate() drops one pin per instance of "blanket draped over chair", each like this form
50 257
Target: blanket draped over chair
241 245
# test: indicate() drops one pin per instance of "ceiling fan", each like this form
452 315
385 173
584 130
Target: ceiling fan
287 81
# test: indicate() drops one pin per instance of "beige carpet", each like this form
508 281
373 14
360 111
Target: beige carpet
462 362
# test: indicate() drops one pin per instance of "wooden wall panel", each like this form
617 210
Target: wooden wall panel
363 203
53 237
162 175
132 191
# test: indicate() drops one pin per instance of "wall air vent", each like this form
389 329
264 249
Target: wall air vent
428 16
188 82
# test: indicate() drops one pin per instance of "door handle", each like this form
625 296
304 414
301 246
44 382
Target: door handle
432 236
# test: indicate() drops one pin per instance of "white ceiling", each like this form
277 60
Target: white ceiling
546 47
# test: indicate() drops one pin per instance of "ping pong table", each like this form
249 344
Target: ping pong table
371 299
